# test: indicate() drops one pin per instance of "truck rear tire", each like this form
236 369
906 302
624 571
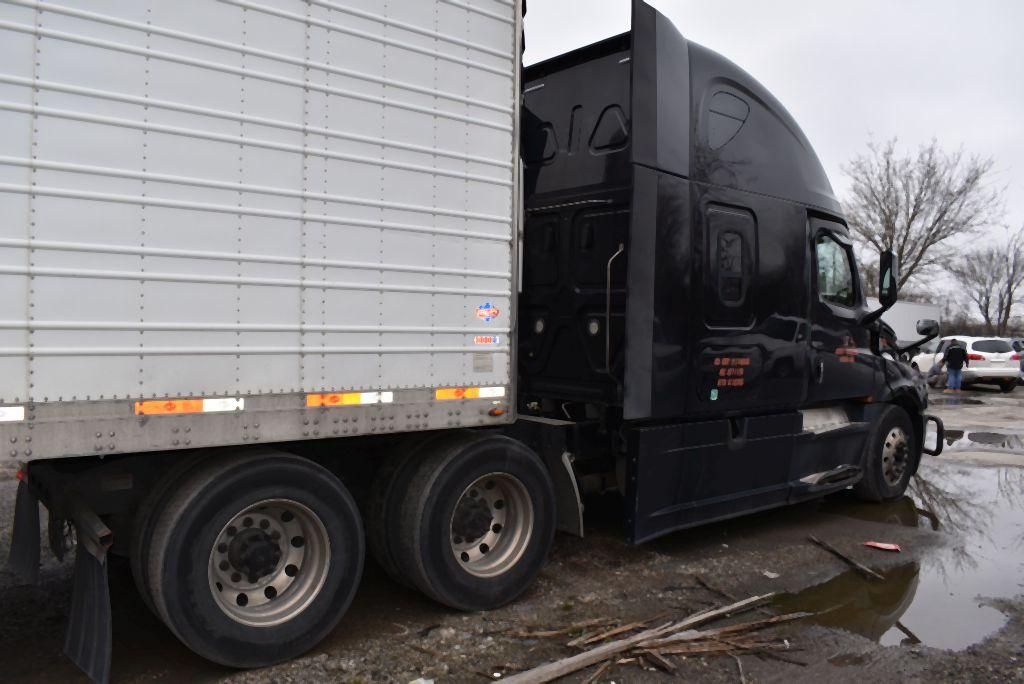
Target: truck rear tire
388 491
890 455
255 558
476 522
145 522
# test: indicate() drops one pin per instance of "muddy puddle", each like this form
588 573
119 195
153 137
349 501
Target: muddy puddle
942 600
954 401
984 440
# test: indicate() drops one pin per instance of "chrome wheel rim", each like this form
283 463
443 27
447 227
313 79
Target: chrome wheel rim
269 562
895 456
491 525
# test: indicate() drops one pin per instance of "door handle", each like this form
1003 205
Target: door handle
820 371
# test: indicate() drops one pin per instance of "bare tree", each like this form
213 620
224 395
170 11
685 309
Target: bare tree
976 272
1012 281
993 279
867 267
914 204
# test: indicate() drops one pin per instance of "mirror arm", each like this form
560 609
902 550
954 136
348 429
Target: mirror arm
915 345
872 316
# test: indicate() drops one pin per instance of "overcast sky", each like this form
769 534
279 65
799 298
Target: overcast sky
850 70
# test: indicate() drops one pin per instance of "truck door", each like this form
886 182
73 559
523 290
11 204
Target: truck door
842 364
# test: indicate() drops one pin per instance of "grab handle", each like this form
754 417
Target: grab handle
608 310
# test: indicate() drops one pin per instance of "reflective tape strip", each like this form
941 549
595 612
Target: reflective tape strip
348 399
11 414
448 393
159 407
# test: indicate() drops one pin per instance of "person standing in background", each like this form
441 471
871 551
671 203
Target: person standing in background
955 358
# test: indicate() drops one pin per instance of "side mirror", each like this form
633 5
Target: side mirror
888 287
888 279
927 328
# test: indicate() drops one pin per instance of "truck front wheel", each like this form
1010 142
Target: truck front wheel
890 456
477 522
255 558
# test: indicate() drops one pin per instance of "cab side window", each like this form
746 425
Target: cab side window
835 272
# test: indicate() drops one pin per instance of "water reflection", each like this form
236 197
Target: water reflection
848 601
939 600
980 439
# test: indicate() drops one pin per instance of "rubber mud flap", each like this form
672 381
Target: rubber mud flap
23 560
88 639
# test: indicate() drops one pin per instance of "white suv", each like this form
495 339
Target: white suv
992 361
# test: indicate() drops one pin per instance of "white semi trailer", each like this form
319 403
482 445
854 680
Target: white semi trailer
253 223
903 317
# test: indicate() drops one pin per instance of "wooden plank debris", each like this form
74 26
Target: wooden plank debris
562 631
859 567
680 636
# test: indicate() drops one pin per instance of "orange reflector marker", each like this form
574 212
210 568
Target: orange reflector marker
164 407
168 406
348 399
448 393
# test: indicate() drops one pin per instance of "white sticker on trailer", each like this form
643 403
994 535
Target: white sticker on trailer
11 414
222 405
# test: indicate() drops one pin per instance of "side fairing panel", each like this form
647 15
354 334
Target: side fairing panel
658 305
659 248
686 474
661 92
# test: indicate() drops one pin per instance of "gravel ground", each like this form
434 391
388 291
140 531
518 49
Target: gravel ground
394 635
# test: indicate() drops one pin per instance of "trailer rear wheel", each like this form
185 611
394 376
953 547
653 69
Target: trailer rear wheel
145 522
476 523
890 455
255 558
388 491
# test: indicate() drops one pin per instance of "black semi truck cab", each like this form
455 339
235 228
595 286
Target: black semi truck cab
690 300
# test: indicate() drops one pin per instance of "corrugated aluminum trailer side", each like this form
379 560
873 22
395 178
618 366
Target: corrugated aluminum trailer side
235 232
250 213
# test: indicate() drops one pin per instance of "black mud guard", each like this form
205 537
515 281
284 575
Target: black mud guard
23 559
88 639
